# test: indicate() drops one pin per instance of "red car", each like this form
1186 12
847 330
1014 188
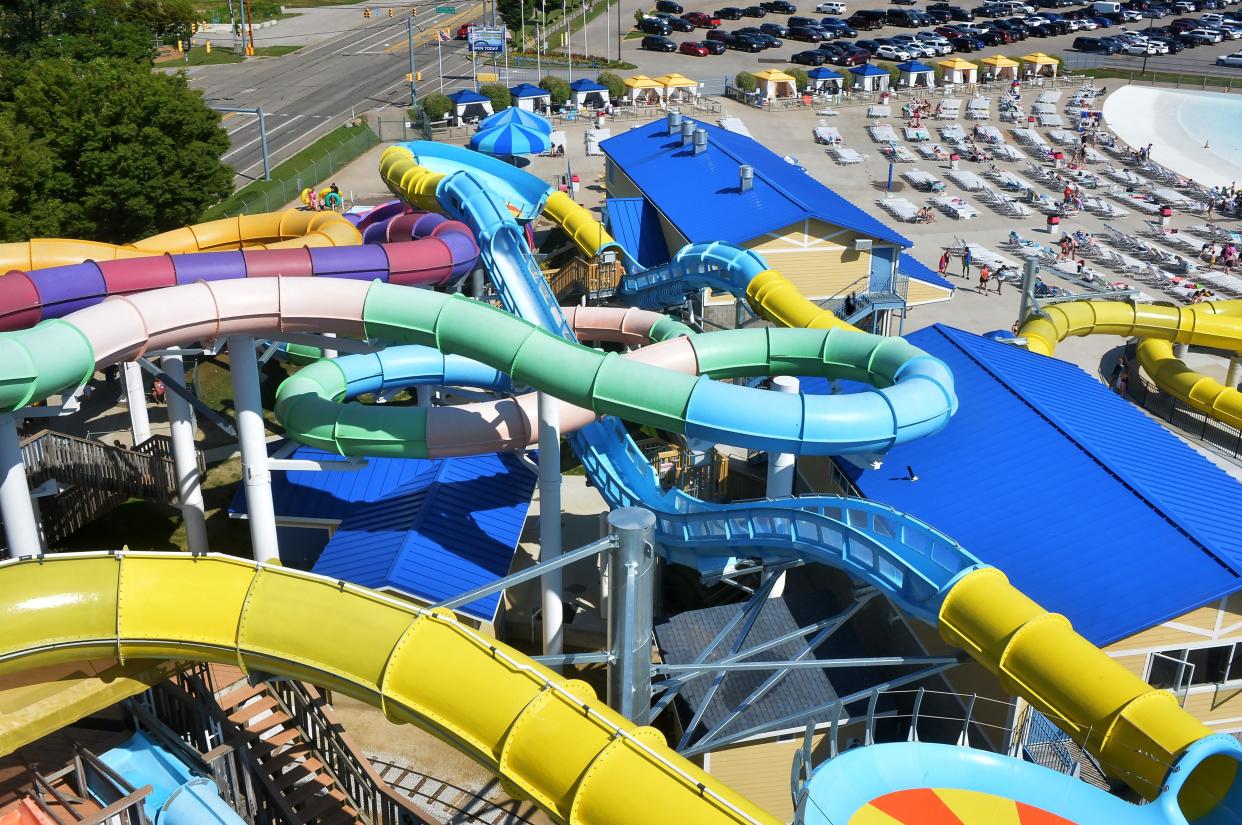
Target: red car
463 31
691 47
703 21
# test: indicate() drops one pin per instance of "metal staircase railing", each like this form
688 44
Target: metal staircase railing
92 784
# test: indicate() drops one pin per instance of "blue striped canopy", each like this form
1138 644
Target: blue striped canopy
521 117
510 139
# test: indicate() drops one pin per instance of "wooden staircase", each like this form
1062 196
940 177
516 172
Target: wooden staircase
87 792
595 279
94 477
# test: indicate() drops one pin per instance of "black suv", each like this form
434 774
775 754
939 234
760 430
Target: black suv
779 6
746 43
955 12
669 6
868 19
658 43
677 24
729 13
654 25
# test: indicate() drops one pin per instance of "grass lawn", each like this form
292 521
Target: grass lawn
286 173
224 54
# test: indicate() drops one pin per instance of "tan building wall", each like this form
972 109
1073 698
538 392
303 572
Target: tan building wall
921 292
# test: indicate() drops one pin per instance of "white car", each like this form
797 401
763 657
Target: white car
1130 15
1207 35
831 8
1139 48
1087 25
887 52
1230 32
1234 59
1211 17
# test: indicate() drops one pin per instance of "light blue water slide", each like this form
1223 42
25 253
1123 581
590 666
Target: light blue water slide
178 795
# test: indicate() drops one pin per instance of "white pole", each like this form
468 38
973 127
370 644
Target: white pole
136 400
781 465
252 438
550 521
440 61
607 36
185 457
330 353
586 47
1235 371
21 528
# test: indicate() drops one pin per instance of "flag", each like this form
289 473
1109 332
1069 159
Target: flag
443 34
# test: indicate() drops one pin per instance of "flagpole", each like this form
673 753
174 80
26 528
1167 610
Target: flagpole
440 60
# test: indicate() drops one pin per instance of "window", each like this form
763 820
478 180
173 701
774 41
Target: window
1180 669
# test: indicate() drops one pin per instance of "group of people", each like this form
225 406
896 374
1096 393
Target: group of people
1225 201
1226 255
331 200
925 215
916 110
1201 295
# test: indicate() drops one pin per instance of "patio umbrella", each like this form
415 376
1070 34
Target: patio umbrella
517 116
511 139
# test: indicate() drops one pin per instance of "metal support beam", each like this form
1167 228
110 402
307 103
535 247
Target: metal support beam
21 528
178 388
599 658
586 551
185 458
252 439
136 401
550 521
807 664
631 569
327 343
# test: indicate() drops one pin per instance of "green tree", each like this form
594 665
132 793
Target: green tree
498 93
558 88
745 81
125 153
616 86
800 76
437 106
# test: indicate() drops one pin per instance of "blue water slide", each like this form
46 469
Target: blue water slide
524 191
178 795
396 368
720 266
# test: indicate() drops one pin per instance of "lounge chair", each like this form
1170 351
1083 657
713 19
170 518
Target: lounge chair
844 155
956 207
900 208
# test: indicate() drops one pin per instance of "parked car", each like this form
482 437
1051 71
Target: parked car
745 42
669 6
806 34
677 24
693 48
658 43
654 25
775 29
868 19
903 18
955 12
1170 42
754 11
810 57
1234 60
719 36
853 56
870 46
889 51
1205 35
702 20
966 44
1139 49
779 6
713 46
1092 45
768 41
728 13
837 28
831 8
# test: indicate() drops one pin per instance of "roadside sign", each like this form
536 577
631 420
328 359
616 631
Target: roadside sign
487 39
446 10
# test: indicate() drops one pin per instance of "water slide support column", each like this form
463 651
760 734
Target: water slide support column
1179 350
21 528
252 438
1234 376
550 522
185 456
136 400
781 465
631 576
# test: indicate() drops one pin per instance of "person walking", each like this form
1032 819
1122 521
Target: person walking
945 257
967 260
985 272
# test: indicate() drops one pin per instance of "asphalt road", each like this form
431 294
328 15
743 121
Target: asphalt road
312 91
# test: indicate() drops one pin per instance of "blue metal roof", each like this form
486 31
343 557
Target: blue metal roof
635 225
911 267
699 194
1090 507
582 84
467 96
822 72
914 66
868 70
528 90
430 528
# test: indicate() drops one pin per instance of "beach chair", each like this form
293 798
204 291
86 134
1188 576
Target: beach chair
844 155
979 108
882 133
879 111
922 180
966 179
919 135
900 208
955 207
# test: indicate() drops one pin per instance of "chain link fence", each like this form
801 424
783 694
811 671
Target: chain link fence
288 181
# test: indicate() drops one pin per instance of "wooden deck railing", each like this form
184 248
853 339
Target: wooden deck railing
590 278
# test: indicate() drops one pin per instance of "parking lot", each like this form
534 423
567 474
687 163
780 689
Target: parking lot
717 68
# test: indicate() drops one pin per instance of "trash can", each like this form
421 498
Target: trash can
1053 222
1166 217
954 160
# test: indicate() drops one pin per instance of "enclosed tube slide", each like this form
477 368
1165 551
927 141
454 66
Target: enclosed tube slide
419 666
178 796
269 230
1217 324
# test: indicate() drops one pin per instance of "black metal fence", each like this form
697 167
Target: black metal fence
1181 416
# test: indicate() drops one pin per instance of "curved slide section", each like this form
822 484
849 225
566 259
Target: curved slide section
419 666
269 230
1217 324
178 796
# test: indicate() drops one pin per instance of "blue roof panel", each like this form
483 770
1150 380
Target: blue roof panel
583 84
699 194
635 225
911 267
1090 507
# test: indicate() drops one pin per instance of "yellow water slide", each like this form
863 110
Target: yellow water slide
1217 325
267 230
549 738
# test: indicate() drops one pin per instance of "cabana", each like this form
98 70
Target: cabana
469 106
916 75
644 91
588 94
678 88
773 83
1039 64
870 78
826 80
999 67
957 70
530 98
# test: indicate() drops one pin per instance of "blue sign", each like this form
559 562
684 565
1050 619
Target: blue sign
487 39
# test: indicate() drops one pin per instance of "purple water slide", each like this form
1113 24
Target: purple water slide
447 252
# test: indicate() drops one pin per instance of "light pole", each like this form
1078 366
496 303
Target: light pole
409 28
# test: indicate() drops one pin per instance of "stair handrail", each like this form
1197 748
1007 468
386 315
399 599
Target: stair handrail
369 794
459 809
51 454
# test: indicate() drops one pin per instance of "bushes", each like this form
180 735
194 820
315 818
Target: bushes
745 81
498 93
558 88
799 75
437 106
616 86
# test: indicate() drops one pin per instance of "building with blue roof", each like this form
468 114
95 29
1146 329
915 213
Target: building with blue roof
530 98
1092 509
588 94
426 529
824 244
469 106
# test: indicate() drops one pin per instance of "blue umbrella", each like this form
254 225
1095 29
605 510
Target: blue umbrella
510 139
517 116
